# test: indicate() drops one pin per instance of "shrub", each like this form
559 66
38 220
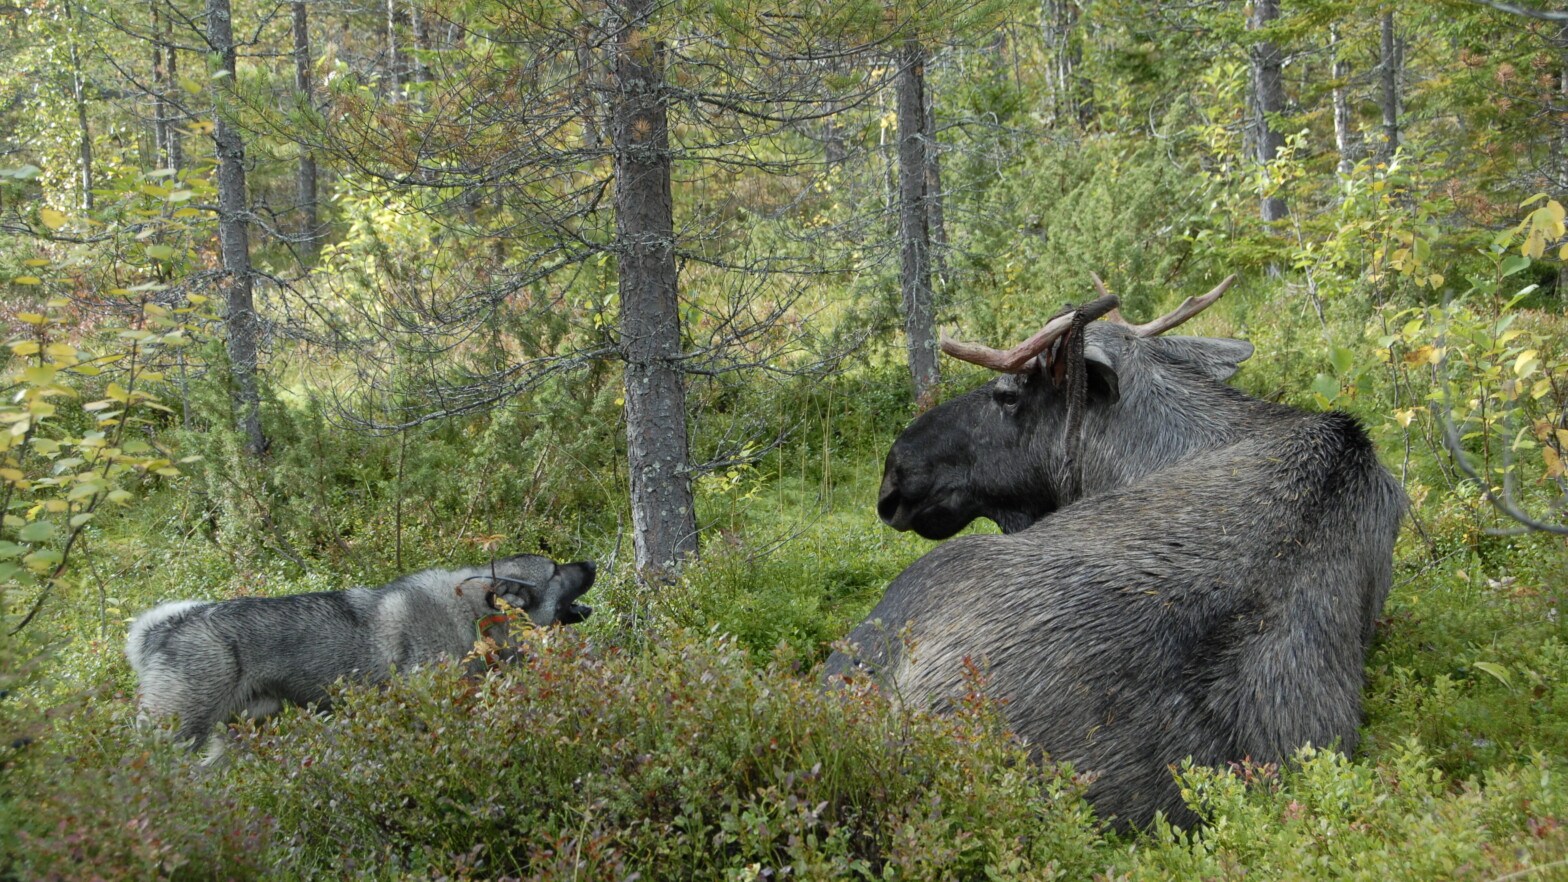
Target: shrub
684 761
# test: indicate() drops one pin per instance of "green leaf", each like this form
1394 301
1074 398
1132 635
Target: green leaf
1496 670
42 560
1326 386
1513 265
37 531
1342 359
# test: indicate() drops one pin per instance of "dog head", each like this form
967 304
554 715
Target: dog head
545 590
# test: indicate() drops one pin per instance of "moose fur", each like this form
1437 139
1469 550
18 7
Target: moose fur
1210 592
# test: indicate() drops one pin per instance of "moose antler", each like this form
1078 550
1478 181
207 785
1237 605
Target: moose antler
1189 308
1016 360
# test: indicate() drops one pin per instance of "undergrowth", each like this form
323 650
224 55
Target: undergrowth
683 733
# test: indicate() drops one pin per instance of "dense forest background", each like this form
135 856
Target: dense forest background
308 295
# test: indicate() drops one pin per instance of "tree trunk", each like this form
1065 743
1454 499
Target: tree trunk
1268 98
1074 95
175 146
420 71
305 188
934 213
663 517
1388 89
234 239
79 98
914 231
1345 136
1562 137
587 86
160 90
394 78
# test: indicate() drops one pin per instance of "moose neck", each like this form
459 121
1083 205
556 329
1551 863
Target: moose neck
1166 413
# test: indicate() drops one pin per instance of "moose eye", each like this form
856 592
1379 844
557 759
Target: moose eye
1005 397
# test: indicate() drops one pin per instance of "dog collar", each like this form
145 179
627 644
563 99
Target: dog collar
484 624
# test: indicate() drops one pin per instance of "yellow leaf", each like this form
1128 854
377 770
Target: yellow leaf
1404 417
1554 463
1419 356
31 318
1534 245
1562 437
28 280
39 374
51 218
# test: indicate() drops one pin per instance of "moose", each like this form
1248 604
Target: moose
1184 570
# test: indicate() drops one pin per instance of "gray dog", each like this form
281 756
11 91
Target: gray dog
206 662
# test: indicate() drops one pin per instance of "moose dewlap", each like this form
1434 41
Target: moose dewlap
1185 570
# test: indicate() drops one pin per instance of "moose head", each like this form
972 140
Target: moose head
1081 407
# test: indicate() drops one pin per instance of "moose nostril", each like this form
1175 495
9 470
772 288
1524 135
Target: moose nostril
888 504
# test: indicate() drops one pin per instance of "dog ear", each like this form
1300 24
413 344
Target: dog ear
516 594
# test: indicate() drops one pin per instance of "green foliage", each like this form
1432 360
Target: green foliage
1324 817
61 462
684 761
1068 210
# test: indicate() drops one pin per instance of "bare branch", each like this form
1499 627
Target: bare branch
1515 9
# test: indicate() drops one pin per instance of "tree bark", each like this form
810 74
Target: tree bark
914 231
420 72
305 183
934 196
587 86
663 516
1074 94
175 146
394 74
160 90
1268 98
234 239
79 98
1388 89
1562 136
1346 139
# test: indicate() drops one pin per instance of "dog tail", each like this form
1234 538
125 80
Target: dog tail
147 622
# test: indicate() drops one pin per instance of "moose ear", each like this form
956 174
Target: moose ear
1104 385
1219 357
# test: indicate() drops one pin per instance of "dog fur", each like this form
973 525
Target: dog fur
205 662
